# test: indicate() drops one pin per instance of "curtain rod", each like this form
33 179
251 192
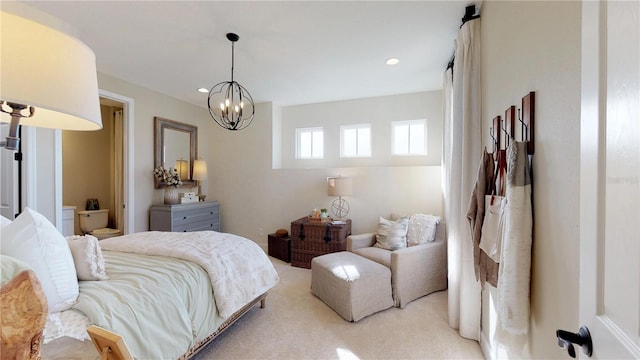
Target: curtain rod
469 14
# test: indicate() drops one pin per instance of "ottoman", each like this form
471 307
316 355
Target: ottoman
353 286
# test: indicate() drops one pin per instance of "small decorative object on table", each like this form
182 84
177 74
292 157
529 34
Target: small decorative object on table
172 181
188 197
319 216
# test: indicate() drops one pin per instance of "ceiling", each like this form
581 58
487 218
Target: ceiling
289 52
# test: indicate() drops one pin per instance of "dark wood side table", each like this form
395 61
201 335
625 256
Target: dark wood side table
280 247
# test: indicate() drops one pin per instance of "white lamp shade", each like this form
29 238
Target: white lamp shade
199 170
339 186
51 71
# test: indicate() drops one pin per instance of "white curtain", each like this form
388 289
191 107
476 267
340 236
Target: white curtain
462 151
118 175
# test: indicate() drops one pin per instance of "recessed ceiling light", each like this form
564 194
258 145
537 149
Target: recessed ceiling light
203 90
393 61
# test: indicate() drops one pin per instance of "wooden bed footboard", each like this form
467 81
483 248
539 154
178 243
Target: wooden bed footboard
232 319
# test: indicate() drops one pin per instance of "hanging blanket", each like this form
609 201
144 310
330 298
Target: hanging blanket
515 262
238 268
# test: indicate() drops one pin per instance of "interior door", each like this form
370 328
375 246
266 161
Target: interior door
609 179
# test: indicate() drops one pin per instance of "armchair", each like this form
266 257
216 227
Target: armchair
415 271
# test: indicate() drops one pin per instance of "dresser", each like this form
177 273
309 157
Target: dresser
310 239
198 216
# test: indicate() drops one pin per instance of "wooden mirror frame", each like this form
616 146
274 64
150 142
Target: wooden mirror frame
160 125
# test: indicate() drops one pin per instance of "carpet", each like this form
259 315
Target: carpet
297 325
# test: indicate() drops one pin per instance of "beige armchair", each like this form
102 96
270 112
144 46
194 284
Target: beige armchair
415 271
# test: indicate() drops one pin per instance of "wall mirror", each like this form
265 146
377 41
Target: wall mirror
176 146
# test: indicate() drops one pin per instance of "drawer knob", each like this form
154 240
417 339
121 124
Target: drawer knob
184 218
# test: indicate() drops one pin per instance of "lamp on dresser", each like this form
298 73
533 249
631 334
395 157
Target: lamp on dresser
199 174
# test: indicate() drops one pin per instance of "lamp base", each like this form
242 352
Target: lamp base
340 208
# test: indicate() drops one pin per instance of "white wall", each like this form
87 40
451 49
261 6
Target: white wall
535 46
252 194
255 196
377 111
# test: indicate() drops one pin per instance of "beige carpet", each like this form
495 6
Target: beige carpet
297 325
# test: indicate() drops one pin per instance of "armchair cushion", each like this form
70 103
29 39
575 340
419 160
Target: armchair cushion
381 256
360 241
392 235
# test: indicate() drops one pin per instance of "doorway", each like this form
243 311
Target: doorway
97 164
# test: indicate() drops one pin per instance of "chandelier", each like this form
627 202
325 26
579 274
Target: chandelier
230 104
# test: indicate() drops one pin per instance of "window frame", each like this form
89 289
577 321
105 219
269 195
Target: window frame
310 130
410 123
357 127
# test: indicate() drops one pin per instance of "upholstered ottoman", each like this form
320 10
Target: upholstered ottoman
351 285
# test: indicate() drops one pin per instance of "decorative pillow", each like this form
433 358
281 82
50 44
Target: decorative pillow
392 235
87 257
34 240
422 229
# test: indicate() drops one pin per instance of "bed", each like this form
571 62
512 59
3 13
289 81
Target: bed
167 294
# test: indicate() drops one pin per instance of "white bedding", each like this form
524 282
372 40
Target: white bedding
238 268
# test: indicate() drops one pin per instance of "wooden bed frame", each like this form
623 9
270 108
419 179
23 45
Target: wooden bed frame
237 315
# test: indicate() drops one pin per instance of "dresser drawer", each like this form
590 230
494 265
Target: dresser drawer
185 217
203 225
194 215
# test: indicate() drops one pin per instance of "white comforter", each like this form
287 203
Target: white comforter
238 268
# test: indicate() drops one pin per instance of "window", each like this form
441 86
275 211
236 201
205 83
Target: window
355 140
409 137
309 143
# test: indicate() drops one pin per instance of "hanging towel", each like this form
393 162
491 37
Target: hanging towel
486 269
493 226
515 262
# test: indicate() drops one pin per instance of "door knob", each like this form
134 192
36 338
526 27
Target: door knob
566 340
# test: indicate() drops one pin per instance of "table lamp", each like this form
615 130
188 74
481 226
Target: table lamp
339 186
199 174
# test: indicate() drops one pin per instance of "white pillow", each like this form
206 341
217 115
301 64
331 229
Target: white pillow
87 257
392 235
4 221
34 240
422 229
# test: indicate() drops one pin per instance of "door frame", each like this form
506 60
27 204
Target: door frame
606 335
127 153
